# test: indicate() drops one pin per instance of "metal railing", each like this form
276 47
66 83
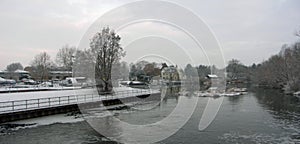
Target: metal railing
30 104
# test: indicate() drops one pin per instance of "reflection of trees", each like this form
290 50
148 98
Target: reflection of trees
284 109
276 101
234 100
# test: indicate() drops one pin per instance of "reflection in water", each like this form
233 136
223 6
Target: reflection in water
168 92
166 119
284 108
281 119
234 102
276 101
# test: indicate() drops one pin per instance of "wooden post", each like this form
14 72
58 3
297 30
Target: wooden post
49 101
38 103
13 105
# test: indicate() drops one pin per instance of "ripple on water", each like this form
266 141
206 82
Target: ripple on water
289 122
235 137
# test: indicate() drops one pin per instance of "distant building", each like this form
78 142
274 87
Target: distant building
22 74
59 75
213 82
170 74
15 75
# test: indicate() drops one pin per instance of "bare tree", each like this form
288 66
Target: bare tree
65 56
84 64
297 33
120 70
282 70
41 64
106 47
190 72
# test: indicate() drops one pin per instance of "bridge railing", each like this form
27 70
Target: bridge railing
30 104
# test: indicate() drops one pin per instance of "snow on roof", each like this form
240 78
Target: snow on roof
78 77
137 82
3 71
21 71
2 79
61 72
6 80
213 88
212 76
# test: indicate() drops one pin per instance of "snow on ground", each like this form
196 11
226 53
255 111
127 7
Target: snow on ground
8 89
49 94
43 94
41 99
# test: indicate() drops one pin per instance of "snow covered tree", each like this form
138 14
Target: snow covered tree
108 51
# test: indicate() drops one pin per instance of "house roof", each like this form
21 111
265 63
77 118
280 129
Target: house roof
2 79
212 76
169 69
21 71
61 72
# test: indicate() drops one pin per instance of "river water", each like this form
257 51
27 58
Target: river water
261 116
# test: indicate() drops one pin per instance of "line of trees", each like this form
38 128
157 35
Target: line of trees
102 61
81 62
145 71
281 70
42 63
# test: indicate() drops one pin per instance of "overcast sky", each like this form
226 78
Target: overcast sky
250 31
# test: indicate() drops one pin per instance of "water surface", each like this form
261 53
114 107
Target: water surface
261 116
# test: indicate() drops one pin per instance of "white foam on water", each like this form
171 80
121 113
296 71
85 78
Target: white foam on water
47 120
66 118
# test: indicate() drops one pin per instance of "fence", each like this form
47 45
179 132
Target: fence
30 104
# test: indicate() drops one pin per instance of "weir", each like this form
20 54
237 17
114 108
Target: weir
31 108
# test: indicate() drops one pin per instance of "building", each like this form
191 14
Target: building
170 74
59 75
15 75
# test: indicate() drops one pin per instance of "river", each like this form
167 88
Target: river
261 116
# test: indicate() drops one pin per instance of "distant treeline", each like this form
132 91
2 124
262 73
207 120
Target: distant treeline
281 70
